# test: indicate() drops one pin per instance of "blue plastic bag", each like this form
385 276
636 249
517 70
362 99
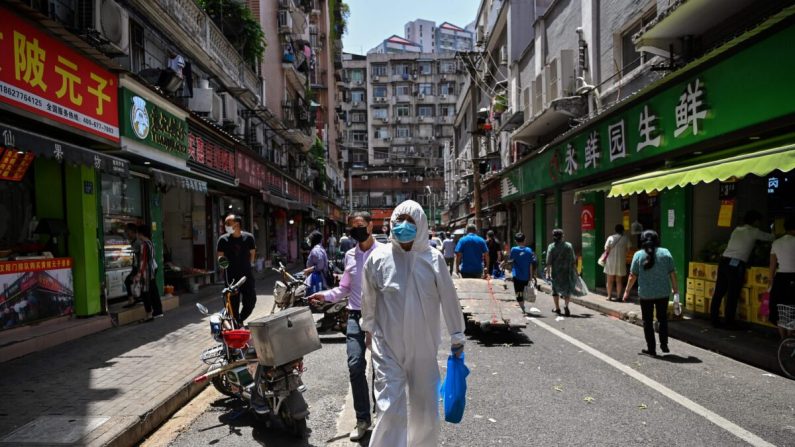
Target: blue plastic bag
454 389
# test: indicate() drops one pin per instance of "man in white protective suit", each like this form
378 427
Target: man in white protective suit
405 285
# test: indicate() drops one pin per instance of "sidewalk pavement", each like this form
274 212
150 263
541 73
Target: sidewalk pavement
115 386
754 345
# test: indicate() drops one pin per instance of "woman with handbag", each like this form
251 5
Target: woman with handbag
614 262
147 275
653 268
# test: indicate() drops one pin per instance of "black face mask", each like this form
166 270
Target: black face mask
360 234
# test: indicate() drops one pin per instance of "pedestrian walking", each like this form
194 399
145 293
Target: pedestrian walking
406 290
316 264
351 286
782 272
472 254
653 268
732 265
495 254
131 232
239 248
448 249
523 270
562 268
332 247
615 267
346 243
147 275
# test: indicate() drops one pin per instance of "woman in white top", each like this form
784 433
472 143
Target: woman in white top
782 272
616 262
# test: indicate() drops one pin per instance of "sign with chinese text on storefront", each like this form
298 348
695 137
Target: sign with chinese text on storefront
146 122
588 217
35 289
14 163
208 152
43 76
698 107
250 172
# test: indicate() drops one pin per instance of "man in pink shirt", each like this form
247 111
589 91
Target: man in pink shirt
351 286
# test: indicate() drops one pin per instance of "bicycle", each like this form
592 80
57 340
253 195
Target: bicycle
786 349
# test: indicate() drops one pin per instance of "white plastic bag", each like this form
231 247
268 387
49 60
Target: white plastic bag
677 305
529 293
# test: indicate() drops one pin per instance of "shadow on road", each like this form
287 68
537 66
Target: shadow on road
673 358
499 338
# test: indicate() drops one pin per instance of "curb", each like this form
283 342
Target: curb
151 420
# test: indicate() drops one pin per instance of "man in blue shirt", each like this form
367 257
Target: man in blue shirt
472 254
523 271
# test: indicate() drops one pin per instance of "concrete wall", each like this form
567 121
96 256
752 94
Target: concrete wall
271 67
615 16
521 16
561 21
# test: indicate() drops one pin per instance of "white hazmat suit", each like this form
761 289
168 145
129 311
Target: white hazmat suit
403 293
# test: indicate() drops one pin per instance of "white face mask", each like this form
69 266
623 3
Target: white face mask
229 229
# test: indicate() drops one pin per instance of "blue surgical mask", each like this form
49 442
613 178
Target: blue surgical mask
404 232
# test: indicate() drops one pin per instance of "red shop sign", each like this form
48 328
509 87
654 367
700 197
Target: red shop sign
588 218
206 152
250 172
43 76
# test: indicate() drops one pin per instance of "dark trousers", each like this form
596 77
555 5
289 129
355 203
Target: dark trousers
151 297
128 282
472 274
357 367
249 296
647 309
450 262
730 279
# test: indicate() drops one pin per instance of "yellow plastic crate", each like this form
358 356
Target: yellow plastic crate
709 288
711 272
696 270
759 276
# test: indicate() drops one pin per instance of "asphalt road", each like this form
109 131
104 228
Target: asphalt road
576 381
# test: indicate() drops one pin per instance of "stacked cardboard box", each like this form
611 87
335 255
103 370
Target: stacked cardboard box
701 287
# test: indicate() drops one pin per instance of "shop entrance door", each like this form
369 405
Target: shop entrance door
648 213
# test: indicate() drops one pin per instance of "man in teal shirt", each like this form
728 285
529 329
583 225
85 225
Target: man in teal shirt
472 254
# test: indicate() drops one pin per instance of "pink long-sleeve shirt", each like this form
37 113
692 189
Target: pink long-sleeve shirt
351 282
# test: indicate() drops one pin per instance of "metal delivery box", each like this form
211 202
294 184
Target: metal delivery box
284 336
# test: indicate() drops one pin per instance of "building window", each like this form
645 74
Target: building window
447 67
358 136
380 113
381 132
379 91
402 110
358 157
425 89
630 58
446 88
379 69
400 69
403 132
425 68
425 111
403 90
357 75
357 95
446 110
137 47
358 117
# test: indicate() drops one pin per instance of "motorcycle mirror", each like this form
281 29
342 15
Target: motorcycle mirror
202 308
223 262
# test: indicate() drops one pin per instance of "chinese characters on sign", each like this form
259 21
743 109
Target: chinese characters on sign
689 110
14 164
647 129
592 150
618 145
207 152
250 172
43 76
145 121
571 159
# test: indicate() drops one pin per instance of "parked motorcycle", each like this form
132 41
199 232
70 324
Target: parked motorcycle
262 365
291 292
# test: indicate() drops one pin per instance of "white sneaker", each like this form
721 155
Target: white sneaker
360 430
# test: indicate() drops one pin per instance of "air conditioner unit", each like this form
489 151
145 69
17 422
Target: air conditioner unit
538 94
503 55
567 73
421 118
364 177
355 104
202 100
398 119
217 111
444 96
240 126
418 178
376 78
230 108
113 23
403 160
358 82
348 124
551 79
421 96
414 76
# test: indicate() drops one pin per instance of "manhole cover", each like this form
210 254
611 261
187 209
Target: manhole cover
54 430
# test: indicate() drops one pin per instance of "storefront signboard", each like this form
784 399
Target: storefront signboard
742 90
207 152
34 290
146 122
14 163
249 171
588 217
40 74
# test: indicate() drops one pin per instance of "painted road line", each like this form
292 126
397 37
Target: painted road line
711 416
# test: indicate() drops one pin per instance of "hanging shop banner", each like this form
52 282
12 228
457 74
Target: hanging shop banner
17 140
274 182
14 163
148 123
35 289
249 171
701 106
210 156
588 217
43 76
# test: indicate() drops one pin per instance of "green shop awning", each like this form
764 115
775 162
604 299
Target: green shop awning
757 163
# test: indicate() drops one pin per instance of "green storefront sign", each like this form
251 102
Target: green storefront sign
151 125
750 87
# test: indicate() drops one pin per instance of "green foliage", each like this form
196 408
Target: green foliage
239 26
340 12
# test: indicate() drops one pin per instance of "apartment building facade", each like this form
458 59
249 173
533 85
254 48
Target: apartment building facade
596 94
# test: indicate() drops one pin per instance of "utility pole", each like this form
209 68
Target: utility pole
475 152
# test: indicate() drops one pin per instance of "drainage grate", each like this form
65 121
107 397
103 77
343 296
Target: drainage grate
54 430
